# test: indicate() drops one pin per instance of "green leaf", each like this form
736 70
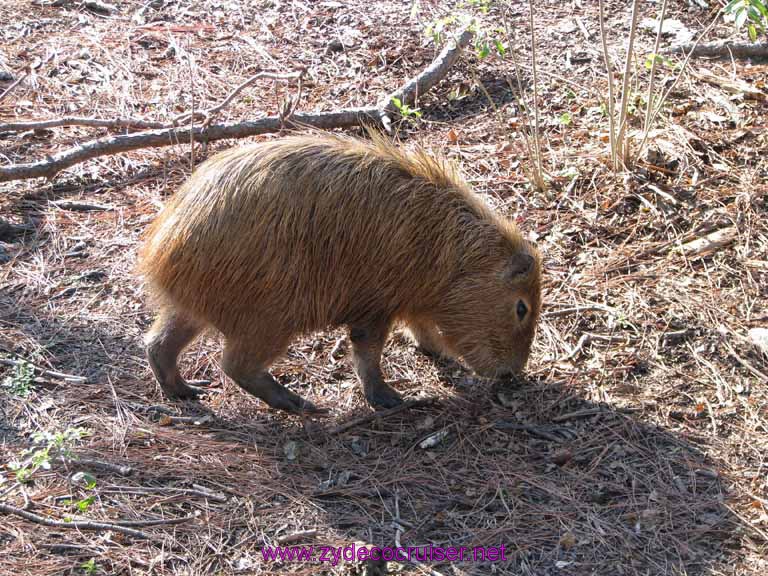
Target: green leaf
752 32
83 504
565 118
89 567
397 102
741 17
85 478
483 50
499 47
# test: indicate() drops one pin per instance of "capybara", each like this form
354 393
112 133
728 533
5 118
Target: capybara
276 239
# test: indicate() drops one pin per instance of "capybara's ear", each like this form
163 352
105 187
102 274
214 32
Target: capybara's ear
518 267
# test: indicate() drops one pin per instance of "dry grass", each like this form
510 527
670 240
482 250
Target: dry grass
641 451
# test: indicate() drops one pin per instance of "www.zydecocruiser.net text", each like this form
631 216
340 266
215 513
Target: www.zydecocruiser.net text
335 554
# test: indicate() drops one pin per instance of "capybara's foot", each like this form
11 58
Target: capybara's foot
382 395
180 389
283 399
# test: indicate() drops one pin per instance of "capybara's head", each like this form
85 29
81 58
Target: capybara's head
496 309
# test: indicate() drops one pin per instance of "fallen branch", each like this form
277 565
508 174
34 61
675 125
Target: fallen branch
75 524
408 93
721 48
93 464
9 232
75 206
733 86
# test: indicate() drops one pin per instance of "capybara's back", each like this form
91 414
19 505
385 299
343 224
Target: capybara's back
275 239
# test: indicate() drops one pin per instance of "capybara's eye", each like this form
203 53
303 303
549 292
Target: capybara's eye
522 309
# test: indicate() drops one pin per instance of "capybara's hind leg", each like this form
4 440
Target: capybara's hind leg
247 365
169 335
367 345
427 337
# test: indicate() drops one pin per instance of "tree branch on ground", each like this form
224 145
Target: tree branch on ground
75 524
408 93
721 48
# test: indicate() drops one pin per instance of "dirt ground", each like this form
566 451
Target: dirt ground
636 442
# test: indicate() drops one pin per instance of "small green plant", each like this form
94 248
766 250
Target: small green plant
49 446
566 119
405 110
483 5
658 60
435 29
753 13
486 41
83 504
19 383
89 567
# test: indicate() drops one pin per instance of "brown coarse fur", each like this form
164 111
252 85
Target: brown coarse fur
272 240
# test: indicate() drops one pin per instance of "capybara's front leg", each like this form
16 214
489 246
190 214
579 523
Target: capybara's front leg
169 335
367 345
247 366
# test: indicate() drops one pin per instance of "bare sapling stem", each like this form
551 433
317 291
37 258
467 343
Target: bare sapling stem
654 58
538 173
530 169
611 99
660 104
622 142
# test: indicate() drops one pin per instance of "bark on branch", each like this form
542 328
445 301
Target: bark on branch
722 48
408 93
76 524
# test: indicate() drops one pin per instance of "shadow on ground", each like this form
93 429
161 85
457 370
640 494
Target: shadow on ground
566 485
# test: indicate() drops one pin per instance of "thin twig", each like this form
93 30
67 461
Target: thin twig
654 56
43 371
78 121
380 414
197 491
10 88
587 338
210 113
577 310
296 537
155 522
